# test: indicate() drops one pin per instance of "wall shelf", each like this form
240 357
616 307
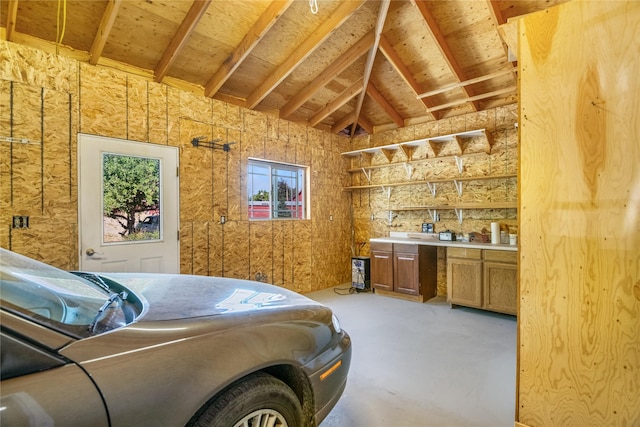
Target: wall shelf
408 148
432 182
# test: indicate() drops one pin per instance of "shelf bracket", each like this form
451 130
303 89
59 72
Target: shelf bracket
433 213
459 214
367 174
432 188
386 190
409 169
459 161
458 185
391 217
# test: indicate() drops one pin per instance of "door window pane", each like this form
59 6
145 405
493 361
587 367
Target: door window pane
130 198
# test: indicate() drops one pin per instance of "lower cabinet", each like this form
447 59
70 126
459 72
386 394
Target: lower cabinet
404 270
483 278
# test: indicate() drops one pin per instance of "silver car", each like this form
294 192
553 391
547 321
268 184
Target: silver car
84 349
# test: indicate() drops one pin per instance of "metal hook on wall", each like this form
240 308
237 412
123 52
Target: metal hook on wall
214 144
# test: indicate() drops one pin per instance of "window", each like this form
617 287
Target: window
277 190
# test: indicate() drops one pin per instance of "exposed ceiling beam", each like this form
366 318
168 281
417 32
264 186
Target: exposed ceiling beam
374 93
250 40
505 91
329 73
365 124
498 19
442 44
104 29
467 82
382 17
338 102
400 67
303 50
189 23
12 16
343 122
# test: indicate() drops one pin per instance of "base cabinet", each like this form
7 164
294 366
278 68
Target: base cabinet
482 278
404 270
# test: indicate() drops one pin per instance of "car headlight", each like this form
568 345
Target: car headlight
336 323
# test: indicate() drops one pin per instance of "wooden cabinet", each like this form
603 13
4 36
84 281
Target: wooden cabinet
464 277
382 266
482 278
404 270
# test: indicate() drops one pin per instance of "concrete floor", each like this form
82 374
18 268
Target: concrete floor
423 364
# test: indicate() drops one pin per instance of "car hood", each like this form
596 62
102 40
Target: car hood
171 297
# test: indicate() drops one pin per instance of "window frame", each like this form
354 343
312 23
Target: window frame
302 172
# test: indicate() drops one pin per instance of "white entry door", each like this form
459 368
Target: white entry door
128 206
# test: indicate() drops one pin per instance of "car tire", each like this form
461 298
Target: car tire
252 400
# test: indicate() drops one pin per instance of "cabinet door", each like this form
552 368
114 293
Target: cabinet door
406 270
500 287
382 270
464 282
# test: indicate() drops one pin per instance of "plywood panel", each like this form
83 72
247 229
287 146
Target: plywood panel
579 225
196 196
103 102
137 109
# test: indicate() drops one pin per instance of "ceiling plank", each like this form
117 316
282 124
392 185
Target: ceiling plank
377 96
329 73
382 17
104 29
12 16
404 72
302 51
505 91
250 40
498 19
338 102
366 124
467 82
188 25
442 44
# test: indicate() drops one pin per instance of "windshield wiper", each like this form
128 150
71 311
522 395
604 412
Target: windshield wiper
113 297
95 279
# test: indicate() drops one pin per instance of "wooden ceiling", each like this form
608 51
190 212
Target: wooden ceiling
378 63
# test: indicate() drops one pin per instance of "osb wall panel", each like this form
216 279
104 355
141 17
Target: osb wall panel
52 99
371 206
579 328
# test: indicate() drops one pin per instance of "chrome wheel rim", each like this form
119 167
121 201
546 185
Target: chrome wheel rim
263 418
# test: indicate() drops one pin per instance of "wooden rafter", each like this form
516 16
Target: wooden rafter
400 67
505 91
338 102
382 17
188 25
467 82
343 122
248 43
303 50
377 96
12 16
329 73
104 29
442 44
498 19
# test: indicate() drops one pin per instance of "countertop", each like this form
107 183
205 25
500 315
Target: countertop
431 239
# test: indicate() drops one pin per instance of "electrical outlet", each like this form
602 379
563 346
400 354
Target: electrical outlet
20 222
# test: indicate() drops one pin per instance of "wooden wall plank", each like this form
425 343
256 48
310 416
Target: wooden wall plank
579 225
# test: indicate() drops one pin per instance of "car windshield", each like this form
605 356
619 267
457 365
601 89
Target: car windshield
69 303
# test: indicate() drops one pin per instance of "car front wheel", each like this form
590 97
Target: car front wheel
255 401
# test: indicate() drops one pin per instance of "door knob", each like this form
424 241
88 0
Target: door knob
90 252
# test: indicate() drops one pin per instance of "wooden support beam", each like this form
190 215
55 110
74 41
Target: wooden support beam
442 44
375 94
338 102
382 16
12 16
392 56
104 29
188 25
248 43
504 91
343 122
329 73
467 82
306 48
